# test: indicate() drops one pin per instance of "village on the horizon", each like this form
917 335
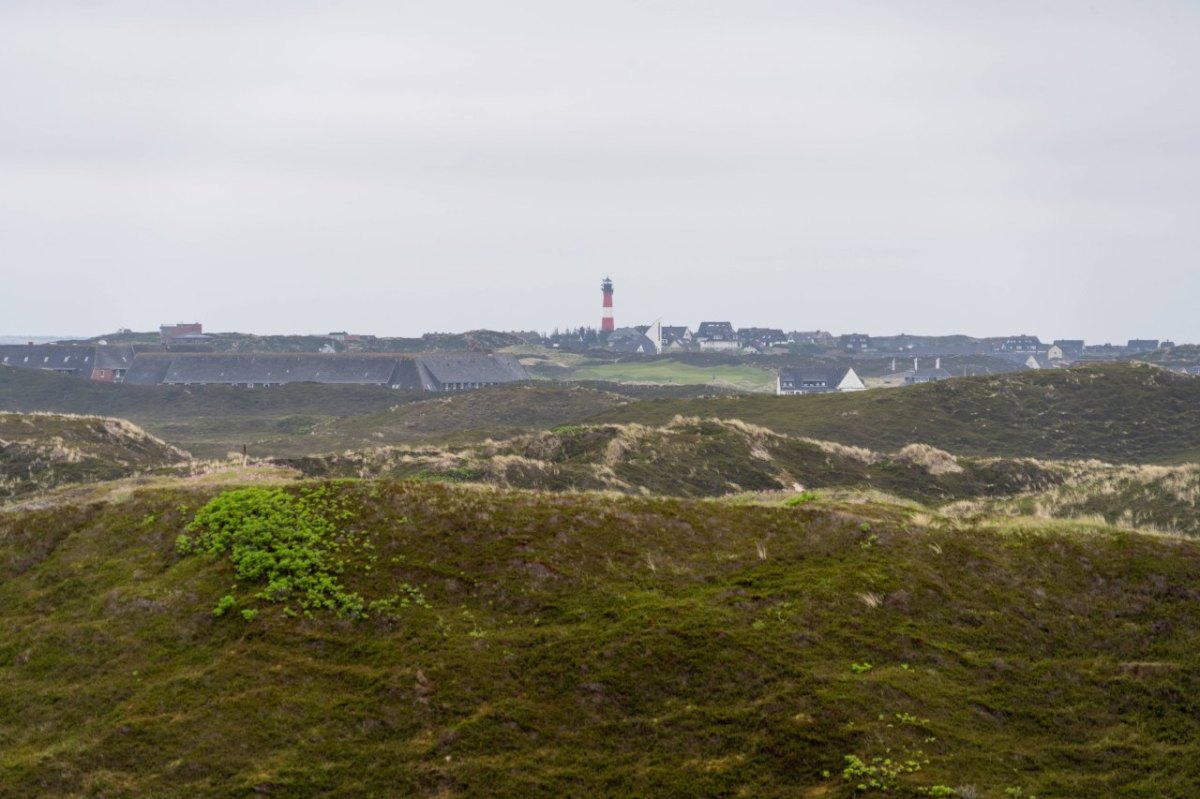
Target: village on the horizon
184 354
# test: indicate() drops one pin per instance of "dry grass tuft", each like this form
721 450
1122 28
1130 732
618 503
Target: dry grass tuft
933 460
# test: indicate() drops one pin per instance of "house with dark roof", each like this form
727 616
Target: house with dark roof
819 338
927 375
817 380
632 341
716 336
676 337
761 338
1141 345
112 362
1022 343
1070 347
462 371
854 341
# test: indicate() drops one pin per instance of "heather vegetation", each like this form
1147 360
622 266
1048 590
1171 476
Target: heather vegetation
692 457
595 645
43 450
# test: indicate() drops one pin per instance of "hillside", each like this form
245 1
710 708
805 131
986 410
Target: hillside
499 411
303 418
710 458
1164 498
526 645
693 458
40 451
1120 413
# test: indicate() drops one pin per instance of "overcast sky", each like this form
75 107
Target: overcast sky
401 167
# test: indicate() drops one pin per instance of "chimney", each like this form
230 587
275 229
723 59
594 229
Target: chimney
916 364
937 364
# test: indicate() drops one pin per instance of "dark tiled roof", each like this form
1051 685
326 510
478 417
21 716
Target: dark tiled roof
275 368
473 367
114 356
430 372
148 368
716 330
74 359
634 344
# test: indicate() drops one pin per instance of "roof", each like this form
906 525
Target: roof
634 344
148 368
430 371
715 330
74 358
234 369
114 356
763 334
830 375
473 367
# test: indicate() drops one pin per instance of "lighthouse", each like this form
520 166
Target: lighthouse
606 317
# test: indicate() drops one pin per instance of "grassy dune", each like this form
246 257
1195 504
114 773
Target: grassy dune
692 458
1120 413
43 450
571 645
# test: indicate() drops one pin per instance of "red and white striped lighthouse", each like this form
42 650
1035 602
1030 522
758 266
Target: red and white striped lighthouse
606 318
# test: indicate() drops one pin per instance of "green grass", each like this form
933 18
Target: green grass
589 645
742 377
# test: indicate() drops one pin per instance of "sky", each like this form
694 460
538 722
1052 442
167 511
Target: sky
394 168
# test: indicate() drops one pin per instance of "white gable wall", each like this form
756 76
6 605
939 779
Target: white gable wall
851 382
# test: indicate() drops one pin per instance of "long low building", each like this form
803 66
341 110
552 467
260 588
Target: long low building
104 362
457 371
817 380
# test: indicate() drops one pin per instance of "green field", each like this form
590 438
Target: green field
742 377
